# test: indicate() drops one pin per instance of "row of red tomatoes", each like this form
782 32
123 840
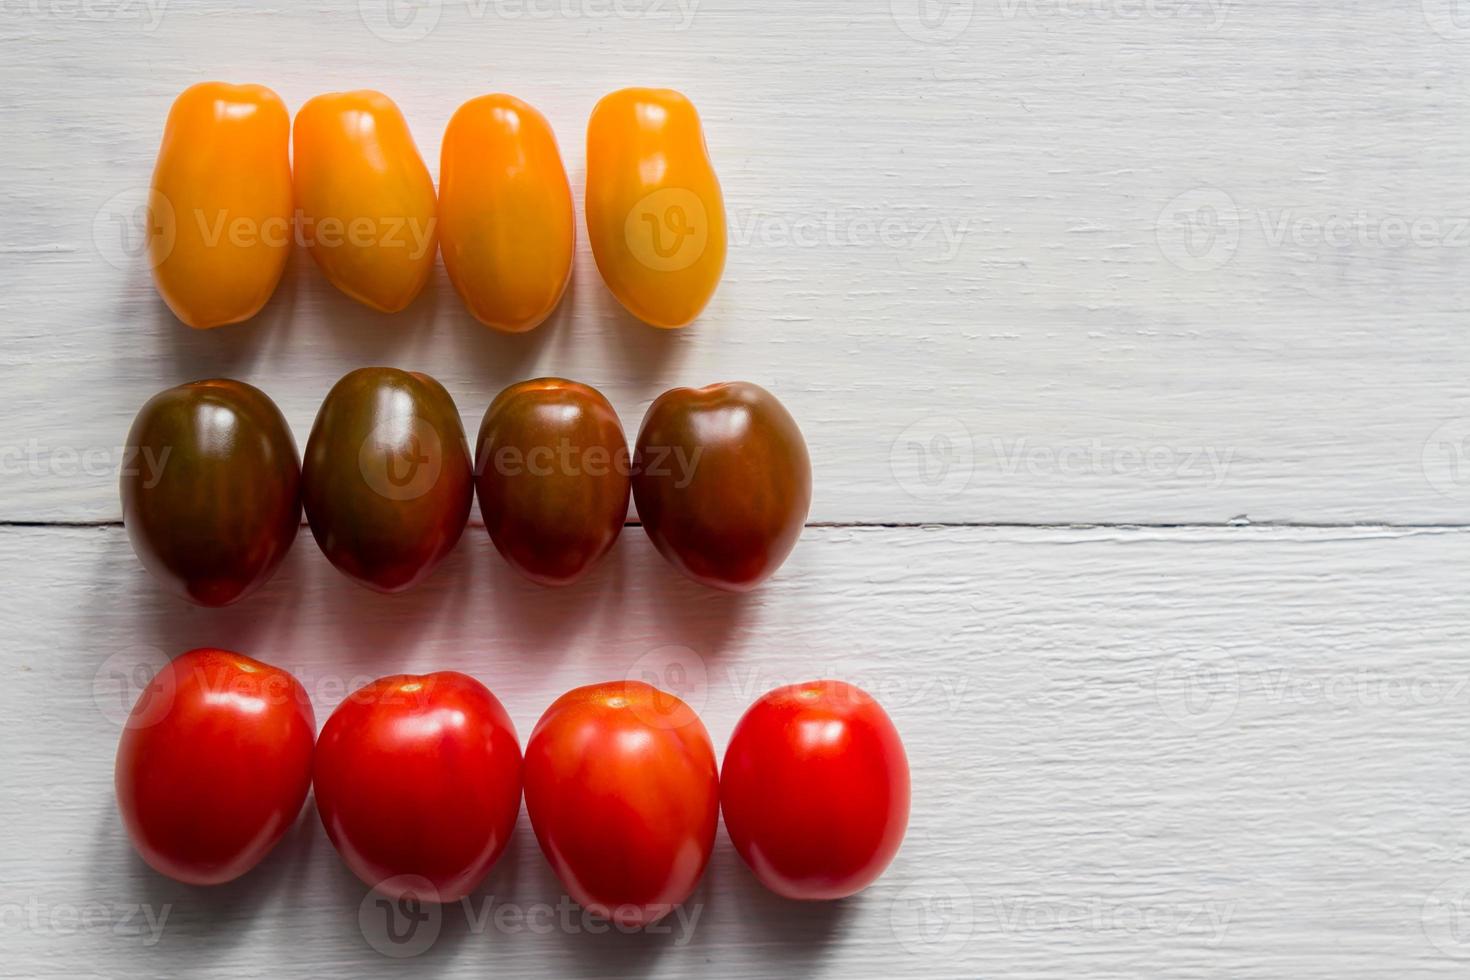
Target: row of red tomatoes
213 491
227 201
418 782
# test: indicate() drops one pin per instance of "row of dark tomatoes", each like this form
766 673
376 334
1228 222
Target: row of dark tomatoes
213 489
418 782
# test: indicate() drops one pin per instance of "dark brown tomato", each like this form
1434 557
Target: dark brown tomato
211 489
551 470
722 482
387 481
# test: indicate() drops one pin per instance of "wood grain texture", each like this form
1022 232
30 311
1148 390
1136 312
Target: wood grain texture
1150 753
1013 261
979 248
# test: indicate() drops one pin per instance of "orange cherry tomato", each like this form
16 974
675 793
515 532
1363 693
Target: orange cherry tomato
655 214
365 198
219 229
505 210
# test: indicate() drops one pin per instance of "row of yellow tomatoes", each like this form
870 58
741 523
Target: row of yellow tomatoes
228 201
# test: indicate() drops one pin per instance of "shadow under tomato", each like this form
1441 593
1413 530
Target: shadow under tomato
260 626
469 919
648 353
363 336
231 351
197 921
685 612
494 359
380 629
795 934
546 620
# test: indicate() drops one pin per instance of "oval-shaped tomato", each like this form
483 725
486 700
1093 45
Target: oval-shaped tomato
214 765
815 790
387 481
551 471
211 489
365 198
506 223
219 228
722 482
655 214
623 792
418 783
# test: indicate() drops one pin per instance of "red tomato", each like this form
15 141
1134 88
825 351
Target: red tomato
214 765
623 792
418 783
815 790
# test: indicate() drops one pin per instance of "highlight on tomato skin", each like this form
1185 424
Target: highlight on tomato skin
655 211
211 489
722 482
219 203
815 790
507 224
365 201
418 784
213 765
622 789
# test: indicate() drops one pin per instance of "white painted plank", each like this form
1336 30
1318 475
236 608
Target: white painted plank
1069 360
1075 814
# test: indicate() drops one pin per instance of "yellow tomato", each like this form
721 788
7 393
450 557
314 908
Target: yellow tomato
655 215
506 223
219 228
364 198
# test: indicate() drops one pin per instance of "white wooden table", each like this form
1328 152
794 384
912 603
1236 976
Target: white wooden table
1129 337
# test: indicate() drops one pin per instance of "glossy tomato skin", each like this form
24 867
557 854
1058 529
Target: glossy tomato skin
655 212
213 765
623 792
551 474
211 489
815 790
722 482
387 481
219 229
418 784
366 201
506 221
